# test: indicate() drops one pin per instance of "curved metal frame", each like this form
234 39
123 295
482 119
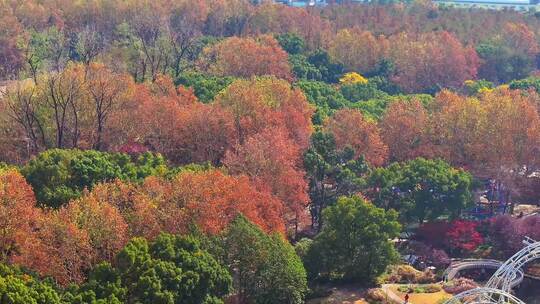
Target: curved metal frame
455 268
499 286
484 295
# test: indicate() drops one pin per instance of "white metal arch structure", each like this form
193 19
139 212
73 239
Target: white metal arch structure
484 295
452 271
498 288
503 277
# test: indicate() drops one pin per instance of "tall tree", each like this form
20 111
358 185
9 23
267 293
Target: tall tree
265 267
431 61
273 160
510 139
63 95
58 176
18 214
207 198
260 103
246 57
24 110
355 242
145 34
108 91
350 128
171 269
405 130
359 50
204 133
421 189
511 54
331 173
107 230
62 250
456 123
186 24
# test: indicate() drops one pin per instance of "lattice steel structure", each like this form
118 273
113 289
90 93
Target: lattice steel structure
499 286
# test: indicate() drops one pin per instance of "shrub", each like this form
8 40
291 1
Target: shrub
432 288
459 285
429 255
420 289
406 274
375 295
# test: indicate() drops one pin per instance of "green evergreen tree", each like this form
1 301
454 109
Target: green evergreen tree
355 242
265 267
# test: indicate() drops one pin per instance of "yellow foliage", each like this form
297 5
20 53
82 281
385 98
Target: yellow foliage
352 78
485 90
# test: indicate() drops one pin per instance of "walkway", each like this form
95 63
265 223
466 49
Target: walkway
456 267
394 297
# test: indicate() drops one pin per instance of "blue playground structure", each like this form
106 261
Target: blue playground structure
494 200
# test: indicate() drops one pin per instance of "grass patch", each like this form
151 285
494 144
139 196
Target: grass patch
421 297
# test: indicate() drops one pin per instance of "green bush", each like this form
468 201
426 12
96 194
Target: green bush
526 83
17 287
324 97
265 267
58 176
205 87
171 269
432 288
334 254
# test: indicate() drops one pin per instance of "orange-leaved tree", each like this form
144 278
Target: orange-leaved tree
405 130
273 160
209 199
260 103
350 128
429 61
19 215
359 50
246 57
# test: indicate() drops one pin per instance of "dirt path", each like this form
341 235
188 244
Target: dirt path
394 297
344 294
419 298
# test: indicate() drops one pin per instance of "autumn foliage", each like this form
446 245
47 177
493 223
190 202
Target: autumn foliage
190 198
260 103
350 128
440 61
18 214
495 130
359 49
263 110
43 241
67 242
274 161
458 236
405 130
463 235
246 57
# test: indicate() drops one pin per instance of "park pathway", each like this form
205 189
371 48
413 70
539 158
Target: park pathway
394 297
